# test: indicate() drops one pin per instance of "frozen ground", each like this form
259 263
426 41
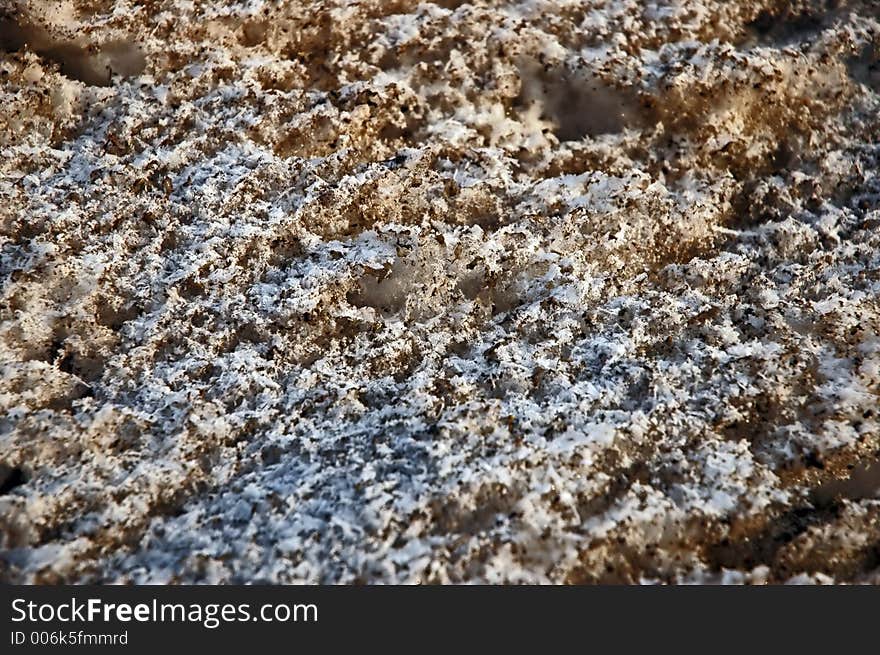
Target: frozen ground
379 291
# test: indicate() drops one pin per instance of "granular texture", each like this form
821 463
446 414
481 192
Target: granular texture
384 291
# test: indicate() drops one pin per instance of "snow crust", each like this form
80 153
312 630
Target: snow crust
407 292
